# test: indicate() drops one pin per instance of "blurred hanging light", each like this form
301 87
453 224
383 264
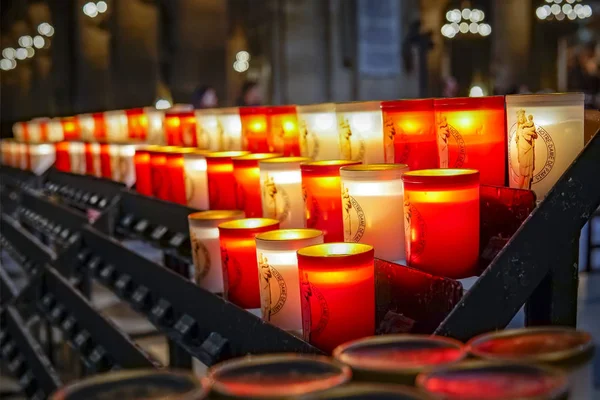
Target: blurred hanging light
476 91
90 9
101 6
467 20
9 53
39 42
21 53
25 41
562 9
30 52
162 104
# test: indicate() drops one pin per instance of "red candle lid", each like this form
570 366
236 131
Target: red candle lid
402 353
327 168
483 380
277 376
358 391
337 254
544 344
443 176
371 172
470 103
408 105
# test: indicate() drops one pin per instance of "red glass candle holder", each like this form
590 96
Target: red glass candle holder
337 293
175 176
441 208
247 183
471 133
180 128
321 186
409 133
255 129
143 183
221 184
63 160
238 256
92 159
71 130
99 126
283 133
158 161
109 161
137 124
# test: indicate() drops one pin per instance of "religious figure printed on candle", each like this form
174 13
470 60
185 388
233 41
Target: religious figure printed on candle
415 231
352 145
314 309
354 218
276 200
201 257
530 159
273 290
232 273
389 137
188 133
311 208
449 138
309 142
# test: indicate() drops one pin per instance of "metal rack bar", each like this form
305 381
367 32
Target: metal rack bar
8 289
25 243
205 325
25 357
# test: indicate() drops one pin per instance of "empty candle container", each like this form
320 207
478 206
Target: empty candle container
372 198
196 180
410 133
545 134
398 358
281 187
279 376
206 251
321 185
337 293
278 275
441 207
471 134
221 184
318 132
360 130
238 257
247 182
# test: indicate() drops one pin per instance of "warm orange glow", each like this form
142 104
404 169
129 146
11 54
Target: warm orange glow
63 161
254 129
71 129
143 177
247 182
99 126
158 160
137 124
175 178
257 126
221 182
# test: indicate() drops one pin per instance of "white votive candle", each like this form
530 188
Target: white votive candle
196 181
360 128
318 131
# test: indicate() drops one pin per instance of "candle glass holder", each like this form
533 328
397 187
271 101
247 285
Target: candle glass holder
143 183
71 130
321 186
20 133
337 293
206 251
39 131
281 190
156 133
137 124
255 129
174 186
77 157
196 180
221 183
246 174
283 135
278 275
86 125
318 132
100 133
238 257
92 159
471 134
410 133
372 198
24 156
55 131
209 132
441 207
63 161
545 135
116 126
158 161
360 129
109 161
127 164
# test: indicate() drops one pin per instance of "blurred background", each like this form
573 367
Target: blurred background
63 57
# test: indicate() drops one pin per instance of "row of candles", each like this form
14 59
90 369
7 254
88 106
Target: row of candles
525 140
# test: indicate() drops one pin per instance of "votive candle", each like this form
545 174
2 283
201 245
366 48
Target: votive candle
321 186
441 207
231 123
278 275
92 159
206 250
283 136
175 176
127 164
70 126
246 173
156 134
410 133
471 133
372 199
137 124
143 184
158 161
116 126
180 126
337 293
109 161
86 125
360 129
238 256
55 130
281 187
219 129
221 184
63 160
318 132
77 157
255 129
196 180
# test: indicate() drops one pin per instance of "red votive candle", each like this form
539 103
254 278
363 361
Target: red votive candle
471 133
441 208
283 133
238 257
109 161
180 128
409 133
221 184
321 186
63 160
143 183
255 129
337 293
158 161
71 129
99 126
92 159
175 173
137 124
247 183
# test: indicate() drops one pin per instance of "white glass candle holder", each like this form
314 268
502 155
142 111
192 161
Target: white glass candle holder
86 125
95 158
281 190
545 134
196 181
23 156
36 127
206 251
55 130
42 157
372 206
127 164
360 128
278 275
19 130
229 120
156 133
116 126
209 131
77 157
318 130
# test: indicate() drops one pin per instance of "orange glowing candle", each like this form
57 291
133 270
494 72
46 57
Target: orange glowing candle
337 293
141 159
321 186
247 183
175 173
255 129
158 160
92 159
283 135
409 133
71 128
99 126
441 208
172 129
221 184
238 257
20 131
137 124
180 127
63 161
109 161
471 133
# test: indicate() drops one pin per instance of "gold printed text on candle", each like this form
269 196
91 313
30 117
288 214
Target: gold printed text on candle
273 288
315 311
530 159
201 257
355 221
414 230
352 146
276 199
446 134
309 142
